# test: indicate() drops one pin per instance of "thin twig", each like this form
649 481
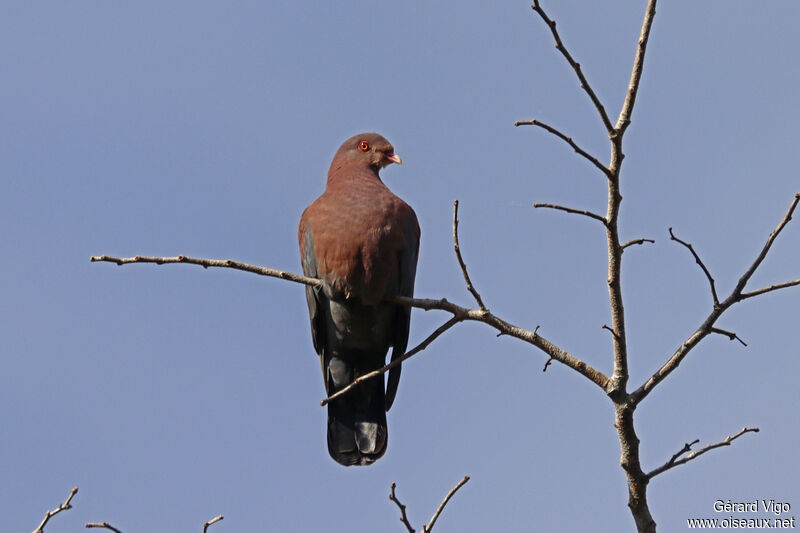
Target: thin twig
699 262
730 334
624 119
764 290
403 517
457 248
206 263
427 528
771 239
102 525
636 241
614 333
573 211
575 66
674 461
596 162
549 360
375 373
212 521
63 507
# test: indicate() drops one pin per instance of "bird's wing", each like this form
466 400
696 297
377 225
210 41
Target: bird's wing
407 271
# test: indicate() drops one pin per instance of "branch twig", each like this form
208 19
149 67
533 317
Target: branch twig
596 162
699 262
674 461
212 521
403 517
427 528
573 211
63 507
463 266
375 373
206 263
730 334
575 66
102 525
636 241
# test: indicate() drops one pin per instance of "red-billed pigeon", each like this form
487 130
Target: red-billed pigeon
362 242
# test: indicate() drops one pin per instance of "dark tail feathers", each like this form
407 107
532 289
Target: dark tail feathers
357 433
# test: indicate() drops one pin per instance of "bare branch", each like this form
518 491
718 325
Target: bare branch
403 517
764 290
63 507
624 119
575 66
636 241
205 263
427 528
573 211
596 162
699 262
674 461
730 334
212 521
462 313
708 324
102 525
457 249
375 373
772 236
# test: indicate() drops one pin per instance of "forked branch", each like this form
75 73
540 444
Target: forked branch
708 327
426 528
677 460
63 507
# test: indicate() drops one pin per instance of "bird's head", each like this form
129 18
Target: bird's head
369 149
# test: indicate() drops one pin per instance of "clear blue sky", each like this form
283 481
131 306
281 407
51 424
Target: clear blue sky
171 394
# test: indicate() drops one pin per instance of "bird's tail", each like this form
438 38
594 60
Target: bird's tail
357 433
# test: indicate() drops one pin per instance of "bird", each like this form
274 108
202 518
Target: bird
362 242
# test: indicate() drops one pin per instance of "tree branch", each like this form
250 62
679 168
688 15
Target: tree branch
463 313
403 517
212 521
730 334
575 66
636 241
63 507
206 263
463 266
427 528
764 290
596 162
375 373
699 262
674 461
707 326
571 210
624 119
102 525
771 239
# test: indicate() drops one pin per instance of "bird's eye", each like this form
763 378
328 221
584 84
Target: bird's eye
363 146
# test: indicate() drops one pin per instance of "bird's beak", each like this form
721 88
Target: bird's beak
394 158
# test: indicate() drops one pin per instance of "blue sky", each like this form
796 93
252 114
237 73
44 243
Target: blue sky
172 394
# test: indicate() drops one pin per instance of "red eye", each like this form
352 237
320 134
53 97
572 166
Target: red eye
363 146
